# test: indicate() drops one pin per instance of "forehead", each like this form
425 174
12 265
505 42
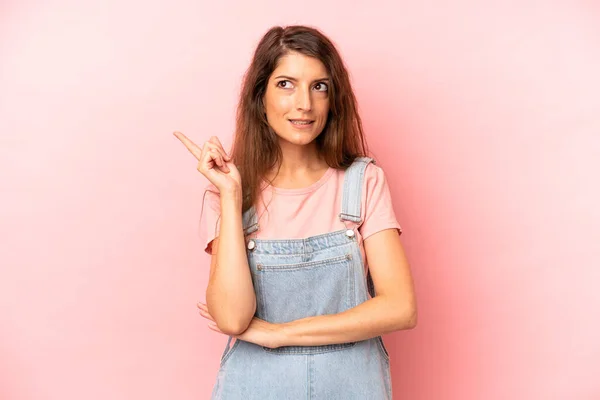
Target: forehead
299 66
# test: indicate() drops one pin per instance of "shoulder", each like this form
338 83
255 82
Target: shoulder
374 171
374 177
377 203
373 180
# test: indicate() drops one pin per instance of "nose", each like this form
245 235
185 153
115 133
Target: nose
303 100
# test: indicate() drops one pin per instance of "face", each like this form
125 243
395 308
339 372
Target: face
297 98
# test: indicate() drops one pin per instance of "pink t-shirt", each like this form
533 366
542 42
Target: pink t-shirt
310 211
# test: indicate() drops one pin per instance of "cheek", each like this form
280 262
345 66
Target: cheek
280 105
324 109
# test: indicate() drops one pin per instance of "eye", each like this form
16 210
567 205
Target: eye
322 87
285 84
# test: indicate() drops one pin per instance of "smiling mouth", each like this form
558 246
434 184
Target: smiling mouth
301 122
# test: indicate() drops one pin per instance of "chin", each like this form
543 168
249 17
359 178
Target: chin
300 139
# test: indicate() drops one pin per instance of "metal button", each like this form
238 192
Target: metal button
350 233
251 245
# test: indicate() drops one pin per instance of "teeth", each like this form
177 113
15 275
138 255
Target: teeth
301 122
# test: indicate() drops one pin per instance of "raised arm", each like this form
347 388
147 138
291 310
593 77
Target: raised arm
230 294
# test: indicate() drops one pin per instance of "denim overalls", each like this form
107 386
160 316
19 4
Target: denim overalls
298 278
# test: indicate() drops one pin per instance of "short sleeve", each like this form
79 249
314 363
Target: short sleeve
209 217
377 204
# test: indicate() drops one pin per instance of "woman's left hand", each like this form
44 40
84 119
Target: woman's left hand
259 331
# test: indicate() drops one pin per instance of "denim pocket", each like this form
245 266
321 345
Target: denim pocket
294 290
306 289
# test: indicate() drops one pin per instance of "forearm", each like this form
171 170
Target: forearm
375 317
230 294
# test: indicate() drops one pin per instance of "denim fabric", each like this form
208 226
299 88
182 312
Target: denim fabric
299 278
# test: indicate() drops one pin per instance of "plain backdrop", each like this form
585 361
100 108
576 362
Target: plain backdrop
485 116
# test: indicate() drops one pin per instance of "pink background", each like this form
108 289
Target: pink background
485 116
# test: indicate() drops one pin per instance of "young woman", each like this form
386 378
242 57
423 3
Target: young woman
307 268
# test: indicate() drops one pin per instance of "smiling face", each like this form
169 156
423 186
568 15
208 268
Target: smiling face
297 98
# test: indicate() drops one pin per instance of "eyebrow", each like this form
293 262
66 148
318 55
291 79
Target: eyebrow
294 79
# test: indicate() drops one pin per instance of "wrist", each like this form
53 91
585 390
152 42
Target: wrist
231 197
283 335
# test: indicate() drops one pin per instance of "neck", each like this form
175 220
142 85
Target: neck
299 160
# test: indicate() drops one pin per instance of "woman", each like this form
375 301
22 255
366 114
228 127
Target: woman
307 268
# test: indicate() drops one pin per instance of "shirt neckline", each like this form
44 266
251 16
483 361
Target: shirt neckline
303 190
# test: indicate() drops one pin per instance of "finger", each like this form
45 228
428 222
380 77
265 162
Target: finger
207 315
204 309
216 141
223 163
214 328
217 148
191 146
208 160
217 156
218 159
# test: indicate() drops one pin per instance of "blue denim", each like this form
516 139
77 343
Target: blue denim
299 278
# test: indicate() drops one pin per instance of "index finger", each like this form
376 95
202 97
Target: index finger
191 146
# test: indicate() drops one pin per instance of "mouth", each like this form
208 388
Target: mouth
301 123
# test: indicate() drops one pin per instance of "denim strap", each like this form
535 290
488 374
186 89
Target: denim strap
352 193
353 185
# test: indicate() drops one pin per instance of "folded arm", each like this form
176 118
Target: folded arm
393 307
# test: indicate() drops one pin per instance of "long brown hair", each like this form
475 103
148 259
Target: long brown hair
255 146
